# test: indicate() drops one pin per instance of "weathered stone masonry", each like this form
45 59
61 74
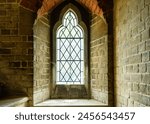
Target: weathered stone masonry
119 53
16 49
132 52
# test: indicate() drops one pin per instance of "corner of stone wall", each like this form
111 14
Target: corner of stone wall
41 59
16 49
99 60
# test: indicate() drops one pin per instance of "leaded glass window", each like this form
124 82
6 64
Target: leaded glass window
70 51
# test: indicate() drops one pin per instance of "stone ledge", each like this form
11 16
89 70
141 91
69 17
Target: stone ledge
14 102
71 103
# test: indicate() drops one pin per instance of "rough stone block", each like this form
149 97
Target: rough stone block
5 32
144 99
148 22
145 57
148 89
129 69
135 31
5 51
136 104
141 47
135 59
135 96
141 26
146 78
140 5
30 51
148 67
148 45
14 32
145 13
3 1
136 77
136 68
143 88
147 2
135 50
15 64
2 12
24 64
145 35
142 68
130 103
135 87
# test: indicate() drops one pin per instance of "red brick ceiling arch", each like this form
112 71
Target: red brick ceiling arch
43 6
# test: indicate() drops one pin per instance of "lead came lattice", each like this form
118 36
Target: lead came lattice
70 51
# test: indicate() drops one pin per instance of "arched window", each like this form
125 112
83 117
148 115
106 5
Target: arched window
70 50
70 77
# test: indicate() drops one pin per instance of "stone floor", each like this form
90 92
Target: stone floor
72 102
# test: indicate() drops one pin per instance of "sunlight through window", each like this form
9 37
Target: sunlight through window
70 51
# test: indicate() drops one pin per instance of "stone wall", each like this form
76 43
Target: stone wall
16 49
41 60
132 52
98 60
101 57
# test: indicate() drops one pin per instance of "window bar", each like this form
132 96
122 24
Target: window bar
76 37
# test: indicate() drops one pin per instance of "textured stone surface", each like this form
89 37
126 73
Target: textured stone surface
101 55
132 53
99 61
41 61
15 71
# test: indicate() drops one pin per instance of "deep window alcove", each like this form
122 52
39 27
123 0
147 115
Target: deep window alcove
70 57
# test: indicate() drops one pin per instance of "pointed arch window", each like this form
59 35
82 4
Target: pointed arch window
70 51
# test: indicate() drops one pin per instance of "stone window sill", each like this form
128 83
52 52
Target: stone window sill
14 102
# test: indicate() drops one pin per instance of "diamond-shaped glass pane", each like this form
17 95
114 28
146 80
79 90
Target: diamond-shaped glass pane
70 47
